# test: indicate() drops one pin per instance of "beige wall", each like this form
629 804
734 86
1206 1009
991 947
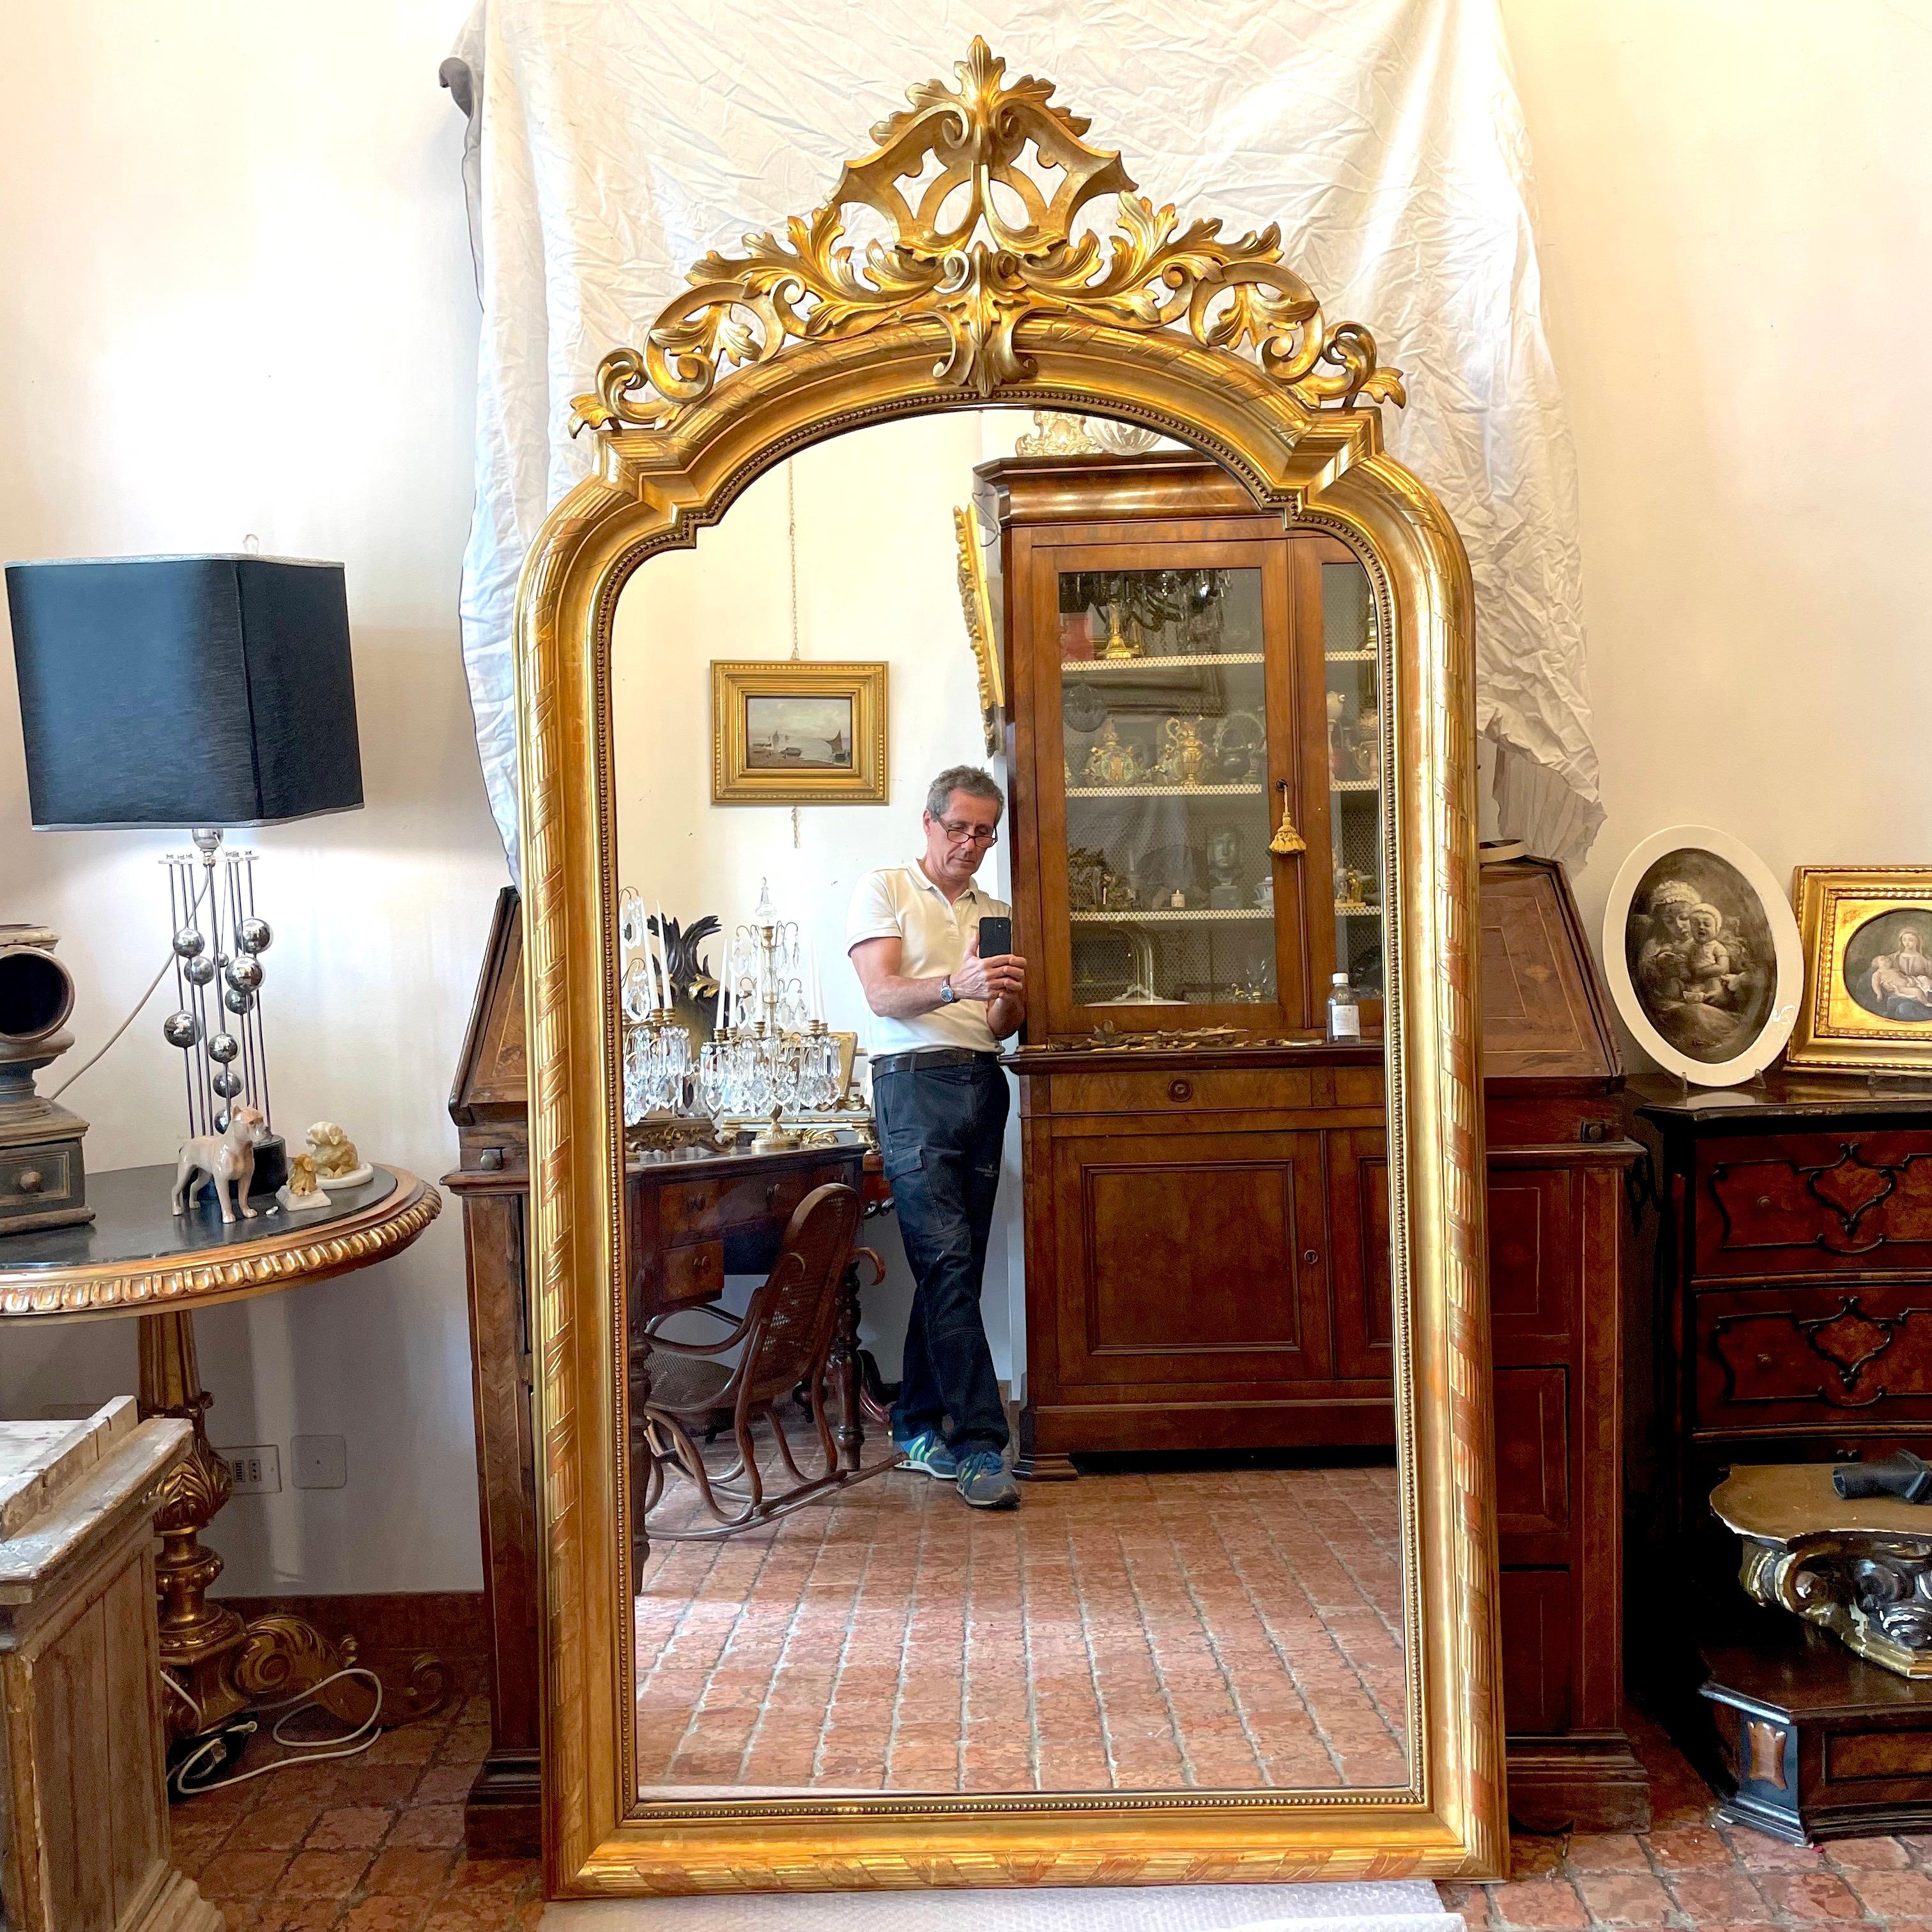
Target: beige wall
236 298
1736 204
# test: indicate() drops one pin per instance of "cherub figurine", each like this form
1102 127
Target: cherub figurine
336 1159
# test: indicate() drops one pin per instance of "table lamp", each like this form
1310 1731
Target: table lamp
203 691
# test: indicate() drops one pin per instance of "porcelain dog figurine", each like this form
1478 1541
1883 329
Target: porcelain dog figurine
227 1159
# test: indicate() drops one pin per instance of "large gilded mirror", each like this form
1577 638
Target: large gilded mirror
1036 1429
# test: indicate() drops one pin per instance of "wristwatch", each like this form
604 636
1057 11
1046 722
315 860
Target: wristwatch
946 994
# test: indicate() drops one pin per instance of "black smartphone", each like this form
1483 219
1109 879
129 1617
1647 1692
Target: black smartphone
996 937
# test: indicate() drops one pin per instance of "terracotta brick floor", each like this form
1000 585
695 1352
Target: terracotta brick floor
1232 1628
372 1845
1687 1870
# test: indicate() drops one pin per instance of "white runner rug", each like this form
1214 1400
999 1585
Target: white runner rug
1407 1905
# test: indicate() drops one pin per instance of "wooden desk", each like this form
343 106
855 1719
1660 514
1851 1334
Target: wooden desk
694 1216
691 1218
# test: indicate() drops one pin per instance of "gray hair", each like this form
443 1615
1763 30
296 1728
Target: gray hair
974 782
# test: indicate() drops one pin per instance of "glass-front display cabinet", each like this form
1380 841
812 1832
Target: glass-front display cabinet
1197 752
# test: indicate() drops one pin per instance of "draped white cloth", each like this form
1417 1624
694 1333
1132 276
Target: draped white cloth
615 141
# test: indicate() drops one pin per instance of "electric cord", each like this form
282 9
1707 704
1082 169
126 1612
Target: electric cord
225 1746
205 887
119 1030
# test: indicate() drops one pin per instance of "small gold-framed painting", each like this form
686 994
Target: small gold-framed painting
787 732
1868 968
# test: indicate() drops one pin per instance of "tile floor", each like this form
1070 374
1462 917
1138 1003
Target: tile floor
373 1846
1231 1628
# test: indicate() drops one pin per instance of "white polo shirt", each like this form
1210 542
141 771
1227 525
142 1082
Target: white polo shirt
901 902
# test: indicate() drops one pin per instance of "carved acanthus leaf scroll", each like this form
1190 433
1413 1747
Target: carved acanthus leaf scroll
984 248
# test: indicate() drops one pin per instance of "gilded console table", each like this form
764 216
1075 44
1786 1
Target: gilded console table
136 1257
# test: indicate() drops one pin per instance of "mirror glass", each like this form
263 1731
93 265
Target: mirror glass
1173 1195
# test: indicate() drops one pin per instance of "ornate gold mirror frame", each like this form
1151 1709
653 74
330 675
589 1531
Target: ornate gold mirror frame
982 289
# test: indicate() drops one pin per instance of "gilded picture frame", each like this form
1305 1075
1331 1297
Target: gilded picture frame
1217 342
1861 1012
796 731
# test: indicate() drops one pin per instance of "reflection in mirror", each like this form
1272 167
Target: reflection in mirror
1143 1267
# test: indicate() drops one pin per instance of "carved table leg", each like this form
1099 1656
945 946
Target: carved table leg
199 1639
225 1666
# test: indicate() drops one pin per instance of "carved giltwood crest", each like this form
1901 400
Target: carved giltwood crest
980 245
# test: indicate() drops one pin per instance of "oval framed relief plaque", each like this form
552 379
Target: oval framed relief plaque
1702 954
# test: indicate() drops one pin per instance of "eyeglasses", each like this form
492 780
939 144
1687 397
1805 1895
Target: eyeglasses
959 833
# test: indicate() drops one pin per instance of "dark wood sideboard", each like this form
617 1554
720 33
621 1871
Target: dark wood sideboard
1559 1167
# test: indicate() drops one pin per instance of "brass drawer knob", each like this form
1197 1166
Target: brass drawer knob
1181 1089
32 1181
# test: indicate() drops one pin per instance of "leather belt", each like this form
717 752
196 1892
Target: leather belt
930 1056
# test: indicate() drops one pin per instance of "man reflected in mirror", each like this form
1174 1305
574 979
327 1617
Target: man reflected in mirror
939 1010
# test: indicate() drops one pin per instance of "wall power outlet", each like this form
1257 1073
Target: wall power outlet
257 1469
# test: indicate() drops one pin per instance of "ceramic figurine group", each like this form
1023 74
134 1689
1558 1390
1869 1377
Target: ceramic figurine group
226 1160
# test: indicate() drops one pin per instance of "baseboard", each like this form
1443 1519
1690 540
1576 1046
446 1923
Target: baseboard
1587 1784
453 1621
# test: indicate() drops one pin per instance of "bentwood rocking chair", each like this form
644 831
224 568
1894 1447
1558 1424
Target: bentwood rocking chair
784 1341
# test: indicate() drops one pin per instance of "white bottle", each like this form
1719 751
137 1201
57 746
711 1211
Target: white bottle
1345 1009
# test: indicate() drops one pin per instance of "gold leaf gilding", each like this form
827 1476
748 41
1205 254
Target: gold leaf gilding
986 250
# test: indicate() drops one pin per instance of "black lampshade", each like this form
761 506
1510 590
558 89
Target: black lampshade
185 690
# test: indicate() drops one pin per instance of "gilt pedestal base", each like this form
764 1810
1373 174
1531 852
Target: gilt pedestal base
224 1667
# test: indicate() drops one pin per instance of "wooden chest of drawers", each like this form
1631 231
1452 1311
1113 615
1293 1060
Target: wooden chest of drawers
1793 1320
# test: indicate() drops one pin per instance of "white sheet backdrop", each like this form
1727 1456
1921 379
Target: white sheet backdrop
621 139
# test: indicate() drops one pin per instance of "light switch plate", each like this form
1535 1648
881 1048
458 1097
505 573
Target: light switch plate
256 1469
318 1461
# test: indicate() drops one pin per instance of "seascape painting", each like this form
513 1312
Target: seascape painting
798 733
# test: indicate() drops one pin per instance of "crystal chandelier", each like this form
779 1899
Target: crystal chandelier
771 1053
657 1049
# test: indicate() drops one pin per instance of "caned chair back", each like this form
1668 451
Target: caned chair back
793 1314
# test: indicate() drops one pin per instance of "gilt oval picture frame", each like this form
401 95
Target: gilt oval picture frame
1702 951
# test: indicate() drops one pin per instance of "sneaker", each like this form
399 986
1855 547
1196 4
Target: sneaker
985 1482
927 1452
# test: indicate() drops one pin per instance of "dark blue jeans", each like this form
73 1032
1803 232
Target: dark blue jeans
941 1129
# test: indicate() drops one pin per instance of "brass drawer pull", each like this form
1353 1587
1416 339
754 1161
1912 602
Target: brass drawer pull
1181 1089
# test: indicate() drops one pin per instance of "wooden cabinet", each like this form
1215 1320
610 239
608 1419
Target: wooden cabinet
1208 1217
1197 748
